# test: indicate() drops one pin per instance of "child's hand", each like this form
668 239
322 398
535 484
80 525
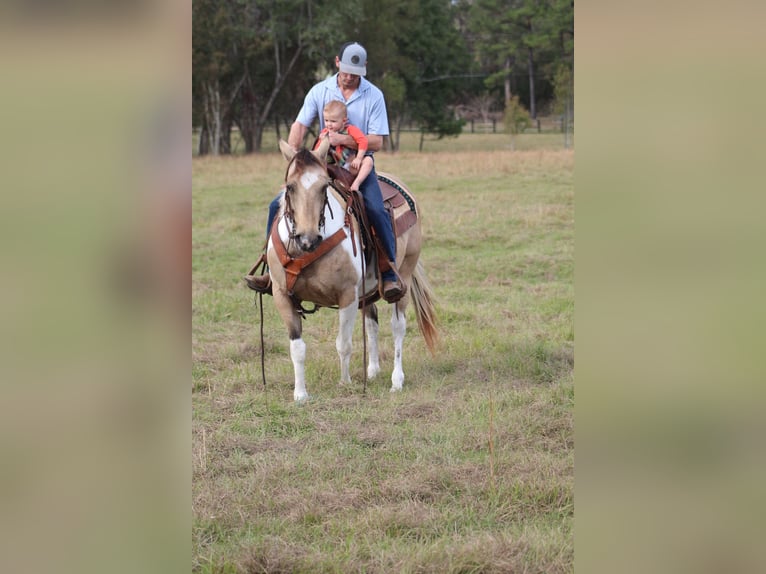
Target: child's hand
356 163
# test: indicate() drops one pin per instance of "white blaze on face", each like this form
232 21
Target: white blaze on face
308 179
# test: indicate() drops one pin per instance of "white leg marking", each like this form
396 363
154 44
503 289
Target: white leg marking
298 355
373 362
343 342
398 328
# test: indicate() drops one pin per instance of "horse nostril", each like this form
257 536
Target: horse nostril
308 243
313 243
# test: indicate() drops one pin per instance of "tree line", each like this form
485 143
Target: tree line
438 62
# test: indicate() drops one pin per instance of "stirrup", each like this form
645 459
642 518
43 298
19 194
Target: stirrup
255 279
260 263
259 283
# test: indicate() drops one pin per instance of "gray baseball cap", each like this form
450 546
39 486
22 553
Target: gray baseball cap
353 59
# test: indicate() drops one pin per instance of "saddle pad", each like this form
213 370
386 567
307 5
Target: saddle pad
399 205
389 192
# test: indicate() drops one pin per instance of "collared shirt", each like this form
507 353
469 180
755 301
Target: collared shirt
366 108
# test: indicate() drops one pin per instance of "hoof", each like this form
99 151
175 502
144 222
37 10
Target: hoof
396 389
303 399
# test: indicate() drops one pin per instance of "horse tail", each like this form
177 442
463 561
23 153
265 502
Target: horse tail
423 301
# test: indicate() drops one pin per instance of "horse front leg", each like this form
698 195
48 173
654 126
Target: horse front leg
343 342
297 346
298 355
398 328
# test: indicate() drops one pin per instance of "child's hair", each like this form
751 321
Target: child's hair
336 106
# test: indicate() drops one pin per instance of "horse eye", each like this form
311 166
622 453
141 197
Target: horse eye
290 187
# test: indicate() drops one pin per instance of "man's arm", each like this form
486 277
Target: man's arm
377 121
374 142
297 133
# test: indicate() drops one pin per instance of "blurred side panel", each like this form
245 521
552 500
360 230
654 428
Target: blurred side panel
670 281
94 302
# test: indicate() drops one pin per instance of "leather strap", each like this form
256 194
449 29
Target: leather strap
294 265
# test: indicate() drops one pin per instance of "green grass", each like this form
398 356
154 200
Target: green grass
375 482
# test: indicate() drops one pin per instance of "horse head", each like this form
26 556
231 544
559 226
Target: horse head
305 195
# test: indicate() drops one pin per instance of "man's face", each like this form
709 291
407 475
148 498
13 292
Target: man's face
345 80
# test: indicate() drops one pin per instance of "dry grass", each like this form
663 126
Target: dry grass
354 482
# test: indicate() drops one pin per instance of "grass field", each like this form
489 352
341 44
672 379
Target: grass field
471 467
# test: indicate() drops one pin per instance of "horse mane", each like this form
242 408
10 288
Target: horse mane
302 160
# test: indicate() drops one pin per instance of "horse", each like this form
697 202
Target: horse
315 255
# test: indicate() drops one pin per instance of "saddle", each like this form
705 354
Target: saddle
399 206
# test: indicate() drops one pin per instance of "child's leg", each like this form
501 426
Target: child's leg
364 171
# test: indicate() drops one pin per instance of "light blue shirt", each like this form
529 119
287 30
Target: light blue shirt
366 108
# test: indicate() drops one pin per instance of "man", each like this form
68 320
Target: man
366 109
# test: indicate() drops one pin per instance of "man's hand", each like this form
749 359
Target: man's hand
337 139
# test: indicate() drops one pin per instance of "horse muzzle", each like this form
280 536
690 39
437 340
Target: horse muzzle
308 242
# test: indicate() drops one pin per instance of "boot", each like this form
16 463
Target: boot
259 283
393 287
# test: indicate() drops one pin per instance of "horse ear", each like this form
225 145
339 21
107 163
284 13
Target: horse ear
287 151
321 152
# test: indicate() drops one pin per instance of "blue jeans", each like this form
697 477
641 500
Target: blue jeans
376 213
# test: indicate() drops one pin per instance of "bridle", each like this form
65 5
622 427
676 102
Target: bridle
293 265
289 214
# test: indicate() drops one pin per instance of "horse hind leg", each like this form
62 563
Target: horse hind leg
343 341
398 328
372 327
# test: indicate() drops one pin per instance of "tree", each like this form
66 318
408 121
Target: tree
515 118
254 60
564 103
527 35
428 58
245 52
394 91
214 83
295 39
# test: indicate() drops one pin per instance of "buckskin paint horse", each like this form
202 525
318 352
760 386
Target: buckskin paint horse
314 255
